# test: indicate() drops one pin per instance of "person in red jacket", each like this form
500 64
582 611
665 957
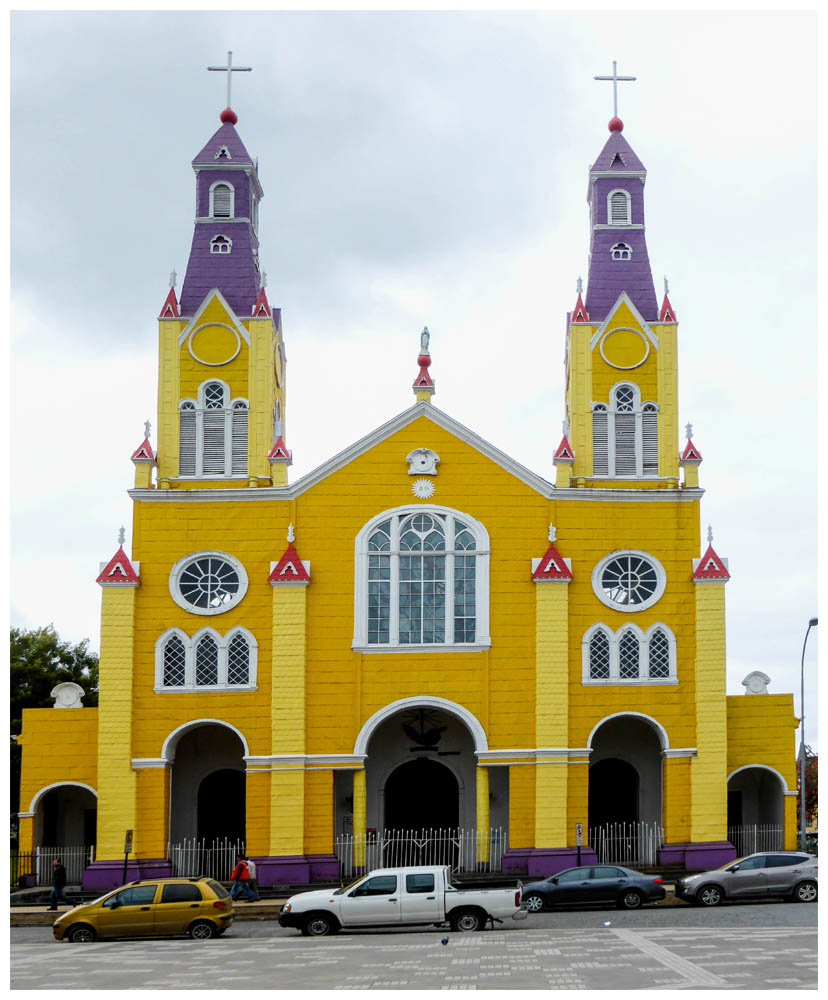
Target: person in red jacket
241 877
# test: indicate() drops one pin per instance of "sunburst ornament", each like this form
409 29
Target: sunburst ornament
422 488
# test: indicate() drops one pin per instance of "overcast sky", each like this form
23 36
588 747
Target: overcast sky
420 168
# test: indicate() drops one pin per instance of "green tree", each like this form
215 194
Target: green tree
39 660
811 784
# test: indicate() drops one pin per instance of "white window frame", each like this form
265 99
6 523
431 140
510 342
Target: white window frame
213 187
611 409
621 251
661 581
481 576
628 198
614 638
190 645
227 408
184 562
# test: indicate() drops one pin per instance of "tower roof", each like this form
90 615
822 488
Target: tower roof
226 138
617 154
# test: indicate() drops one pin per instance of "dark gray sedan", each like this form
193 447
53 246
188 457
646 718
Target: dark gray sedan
595 885
792 874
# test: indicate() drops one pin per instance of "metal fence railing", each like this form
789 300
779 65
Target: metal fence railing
758 837
461 850
36 866
627 843
214 858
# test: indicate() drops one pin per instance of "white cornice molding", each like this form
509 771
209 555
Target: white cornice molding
143 763
595 175
303 761
620 227
193 322
680 752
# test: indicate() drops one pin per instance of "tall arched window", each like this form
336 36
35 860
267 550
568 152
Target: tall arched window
213 433
221 200
618 208
625 435
208 659
629 656
422 581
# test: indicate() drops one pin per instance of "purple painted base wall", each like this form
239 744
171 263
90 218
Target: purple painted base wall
542 861
300 869
699 856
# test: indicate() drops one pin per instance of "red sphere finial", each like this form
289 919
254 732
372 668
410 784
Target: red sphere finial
229 115
616 125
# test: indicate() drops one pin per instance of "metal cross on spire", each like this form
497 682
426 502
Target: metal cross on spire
688 430
230 69
710 533
121 535
615 81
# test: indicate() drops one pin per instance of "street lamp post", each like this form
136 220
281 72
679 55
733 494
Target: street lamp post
812 622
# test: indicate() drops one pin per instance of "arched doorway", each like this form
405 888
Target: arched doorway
422 794
755 810
625 790
207 785
66 816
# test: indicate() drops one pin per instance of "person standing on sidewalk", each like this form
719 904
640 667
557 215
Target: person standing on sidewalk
241 877
58 885
251 882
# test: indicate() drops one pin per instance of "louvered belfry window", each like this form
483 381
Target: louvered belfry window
213 435
619 209
222 197
625 436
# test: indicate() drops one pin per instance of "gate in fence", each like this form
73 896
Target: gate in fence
627 843
196 858
750 839
461 850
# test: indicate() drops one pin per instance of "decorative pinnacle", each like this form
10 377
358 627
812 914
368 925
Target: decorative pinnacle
263 280
579 285
173 278
565 426
552 532
425 337
710 533
291 535
688 430
666 286
615 78
121 536
147 429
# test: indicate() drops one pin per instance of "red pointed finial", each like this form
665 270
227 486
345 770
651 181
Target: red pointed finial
228 115
616 125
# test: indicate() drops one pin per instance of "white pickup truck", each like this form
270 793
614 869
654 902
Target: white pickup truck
391 897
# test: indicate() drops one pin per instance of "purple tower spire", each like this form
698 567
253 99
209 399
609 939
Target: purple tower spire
225 248
618 260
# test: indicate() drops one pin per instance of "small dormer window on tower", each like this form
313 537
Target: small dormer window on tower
618 208
621 251
223 154
222 198
221 244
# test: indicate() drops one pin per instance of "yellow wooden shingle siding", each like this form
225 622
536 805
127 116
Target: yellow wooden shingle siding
262 396
169 394
580 398
116 779
153 812
708 770
667 398
59 745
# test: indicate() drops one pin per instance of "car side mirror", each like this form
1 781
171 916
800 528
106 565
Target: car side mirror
114 904
734 868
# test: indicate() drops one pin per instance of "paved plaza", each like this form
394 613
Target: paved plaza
596 958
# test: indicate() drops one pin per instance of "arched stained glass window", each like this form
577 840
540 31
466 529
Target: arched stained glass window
206 664
174 662
599 655
238 660
659 654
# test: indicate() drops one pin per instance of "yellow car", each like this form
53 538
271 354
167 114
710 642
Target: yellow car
200 907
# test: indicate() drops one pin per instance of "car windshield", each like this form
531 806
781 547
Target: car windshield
350 885
735 861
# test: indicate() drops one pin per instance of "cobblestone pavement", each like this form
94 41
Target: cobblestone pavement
599 958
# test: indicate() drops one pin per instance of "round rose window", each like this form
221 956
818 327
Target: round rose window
629 580
208 583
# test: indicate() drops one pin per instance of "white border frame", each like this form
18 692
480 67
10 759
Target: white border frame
609 333
182 563
48 788
481 537
661 581
171 742
611 224
643 656
471 722
218 364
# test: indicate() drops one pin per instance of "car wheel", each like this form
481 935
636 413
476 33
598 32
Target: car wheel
533 902
466 920
630 900
709 895
201 930
805 892
81 934
318 925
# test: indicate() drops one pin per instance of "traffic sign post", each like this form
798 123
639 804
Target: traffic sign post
127 850
579 838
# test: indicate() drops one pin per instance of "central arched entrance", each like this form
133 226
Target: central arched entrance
613 792
221 806
422 794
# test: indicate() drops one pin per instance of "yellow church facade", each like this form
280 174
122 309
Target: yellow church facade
421 634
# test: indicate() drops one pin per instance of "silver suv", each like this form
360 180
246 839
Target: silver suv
792 874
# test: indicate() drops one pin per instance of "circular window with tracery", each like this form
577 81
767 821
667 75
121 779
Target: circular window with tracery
628 580
208 583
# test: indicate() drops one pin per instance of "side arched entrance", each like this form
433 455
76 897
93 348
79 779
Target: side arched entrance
755 810
65 827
